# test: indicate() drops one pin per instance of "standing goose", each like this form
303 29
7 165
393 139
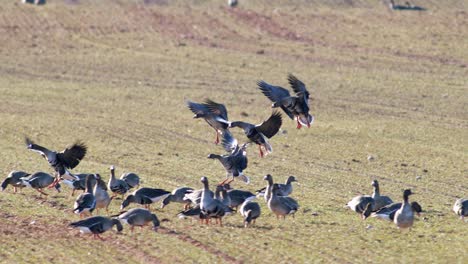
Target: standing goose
61 161
178 196
77 184
215 115
117 186
235 162
85 203
14 179
97 225
145 196
362 204
388 212
195 196
39 181
380 200
210 207
461 208
250 211
268 188
259 134
100 193
238 197
296 107
283 189
131 179
139 217
404 217
282 205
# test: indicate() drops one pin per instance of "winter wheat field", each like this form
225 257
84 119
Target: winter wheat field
391 85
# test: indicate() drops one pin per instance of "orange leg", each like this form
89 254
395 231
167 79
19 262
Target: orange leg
261 151
217 138
299 125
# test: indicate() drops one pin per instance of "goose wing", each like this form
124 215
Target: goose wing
276 94
72 155
270 127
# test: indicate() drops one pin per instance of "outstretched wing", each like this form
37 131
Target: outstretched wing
217 109
198 109
278 95
72 155
228 142
270 127
298 87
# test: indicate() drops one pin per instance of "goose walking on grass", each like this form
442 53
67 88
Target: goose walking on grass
380 200
215 115
139 217
296 107
177 196
210 207
39 181
131 179
145 196
283 189
61 161
461 208
235 162
259 134
250 211
388 212
404 217
85 203
363 205
96 225
117 186
14 179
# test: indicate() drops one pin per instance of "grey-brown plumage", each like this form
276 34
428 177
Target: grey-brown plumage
404 217
85 203
213 113
388 212
39 181
283 189
461 208
282 205
96 225
139 217
103 199
210 207
250 211
131 179
297 106
195 196
259 134
362 204
14 179
178 196
237 197
145 196
117 186
380 200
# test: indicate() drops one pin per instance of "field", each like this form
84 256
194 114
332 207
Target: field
116 74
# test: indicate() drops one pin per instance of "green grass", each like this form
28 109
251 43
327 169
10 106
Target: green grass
115 75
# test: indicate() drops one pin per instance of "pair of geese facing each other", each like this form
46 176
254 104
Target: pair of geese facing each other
97 225
296 107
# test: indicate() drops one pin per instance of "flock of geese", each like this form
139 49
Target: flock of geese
204 204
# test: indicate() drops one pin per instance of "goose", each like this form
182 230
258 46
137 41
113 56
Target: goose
238 197
283 189
194 212
282 205
145 196
404 217
380 200
14 179
408 6
362 204
259 134
232 3
177 196
77 184
117 186
235 162
131 179
69 158
96 225
388 212
195 196
85 203
221 195
296 107
39 181
250 211
139 217
100 193
210 207
215 115
268 188
461 208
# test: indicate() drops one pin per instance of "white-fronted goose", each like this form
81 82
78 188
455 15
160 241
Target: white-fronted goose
195 196
250 211
237 197
362 204
97 225
404 217
283 189
85 203
139 217
296 107
178 196
210 207
117 186
388 212
193 212
77 184
268 188
235 162
461 208
145 196
100 193
259 134
131 179
380 200
61 161
215 115
282 205
39 181
14 179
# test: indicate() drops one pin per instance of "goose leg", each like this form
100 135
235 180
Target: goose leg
41 192
261 151
217 138
14 189
299 125
220 222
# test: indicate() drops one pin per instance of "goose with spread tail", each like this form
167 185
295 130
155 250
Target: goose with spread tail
215 115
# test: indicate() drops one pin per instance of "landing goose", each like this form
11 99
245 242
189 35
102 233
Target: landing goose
215 115
96 225
145 196
139 217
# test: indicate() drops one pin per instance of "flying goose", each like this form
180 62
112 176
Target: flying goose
139 217
145 196
250 211
177 196
39 181
259 134
283 189
296 107
61 161
131 179
85 203
282 205
388 212
404 217
235 162
210 207
380 200
362 204
97 225
461 208
117 186
14 179
215 115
